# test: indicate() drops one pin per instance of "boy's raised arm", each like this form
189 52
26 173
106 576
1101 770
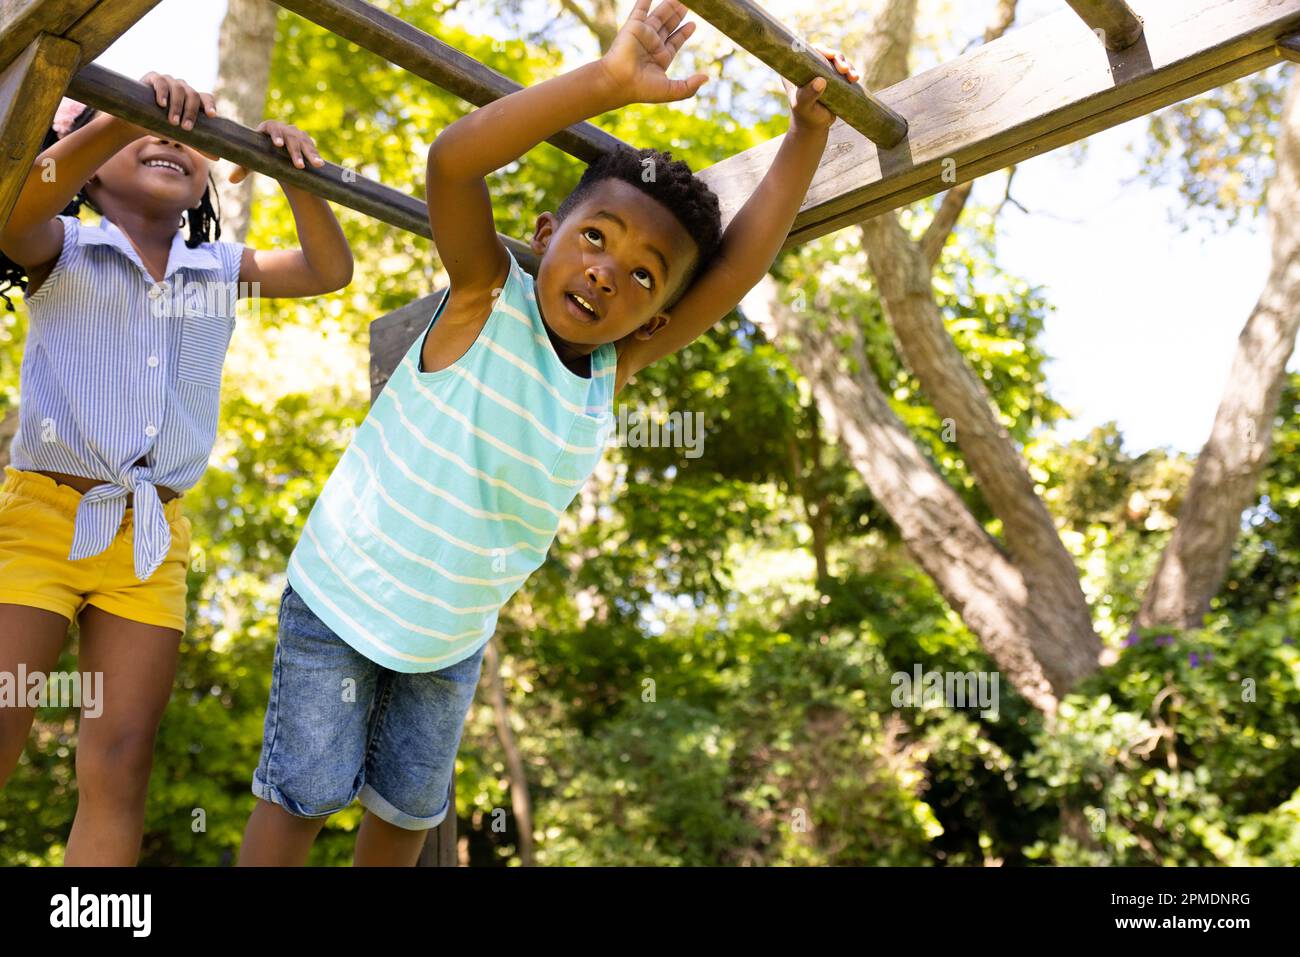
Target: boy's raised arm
460 210
753 238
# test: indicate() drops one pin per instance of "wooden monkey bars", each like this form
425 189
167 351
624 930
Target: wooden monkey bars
1118 25
1032 90
429 58
134 102
91 24
757 31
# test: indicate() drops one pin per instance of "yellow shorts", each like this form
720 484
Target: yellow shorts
36 520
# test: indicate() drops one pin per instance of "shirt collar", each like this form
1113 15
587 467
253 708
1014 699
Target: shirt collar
180 257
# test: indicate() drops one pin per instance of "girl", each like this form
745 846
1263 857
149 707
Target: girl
121 376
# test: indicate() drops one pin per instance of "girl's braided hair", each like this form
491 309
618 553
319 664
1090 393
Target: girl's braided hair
204 220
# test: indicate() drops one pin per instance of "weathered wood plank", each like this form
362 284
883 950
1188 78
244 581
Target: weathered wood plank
1033 90
771 41
440 846
30 90
1118 25
22 21
390 338
392 334
133 101
429 58
96 31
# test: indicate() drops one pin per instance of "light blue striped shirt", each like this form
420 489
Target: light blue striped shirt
452 490
121 378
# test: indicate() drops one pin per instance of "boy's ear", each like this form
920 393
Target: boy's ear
547 224
652 326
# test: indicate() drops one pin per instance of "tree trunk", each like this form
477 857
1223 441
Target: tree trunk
1025 604
1069 648
515 772
806 484
243 73
1226 478
888 44
602 17
969 568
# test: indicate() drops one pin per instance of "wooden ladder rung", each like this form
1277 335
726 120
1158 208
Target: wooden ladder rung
1116 23
771 41
135 103
442 65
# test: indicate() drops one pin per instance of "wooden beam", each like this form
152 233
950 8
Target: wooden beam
440 845
1113 20
442 65
96 31
1288 48
22 21
392 334
30 89
1031 91
767 38
134 102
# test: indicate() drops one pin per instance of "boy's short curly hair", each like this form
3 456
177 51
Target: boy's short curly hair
673 184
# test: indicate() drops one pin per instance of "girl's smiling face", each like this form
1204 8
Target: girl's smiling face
609 268
157 174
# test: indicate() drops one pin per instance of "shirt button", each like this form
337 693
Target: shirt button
156 290
153 362
150 431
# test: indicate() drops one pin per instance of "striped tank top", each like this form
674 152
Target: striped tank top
451 492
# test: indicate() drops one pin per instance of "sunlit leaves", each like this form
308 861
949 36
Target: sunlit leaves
1218 148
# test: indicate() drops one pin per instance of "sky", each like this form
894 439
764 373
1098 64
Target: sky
1146 315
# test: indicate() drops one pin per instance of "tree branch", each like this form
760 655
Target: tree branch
1003 17
969 567
1066 646
1225 481
603 23
583 17
1007 197
941 227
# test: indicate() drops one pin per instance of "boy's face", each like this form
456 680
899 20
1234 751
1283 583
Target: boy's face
621 252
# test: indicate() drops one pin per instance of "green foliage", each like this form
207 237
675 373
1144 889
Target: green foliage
1218 149
1115 512
12 335
1186 752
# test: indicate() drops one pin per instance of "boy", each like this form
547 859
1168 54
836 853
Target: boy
451 492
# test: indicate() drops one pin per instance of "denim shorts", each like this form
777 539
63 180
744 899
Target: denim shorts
339 727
